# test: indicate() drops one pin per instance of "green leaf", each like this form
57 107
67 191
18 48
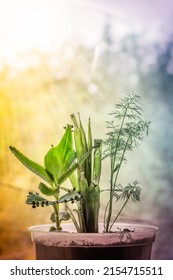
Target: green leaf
77 138
59 158
71 196
97 161
64 216
47 190
89 134
73 168
32 166
93 206
68 173
36 200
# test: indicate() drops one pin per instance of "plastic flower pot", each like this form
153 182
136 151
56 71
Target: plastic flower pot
125 242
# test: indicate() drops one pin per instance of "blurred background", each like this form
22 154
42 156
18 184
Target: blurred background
63 57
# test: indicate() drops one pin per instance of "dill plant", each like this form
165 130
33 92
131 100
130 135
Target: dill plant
125 131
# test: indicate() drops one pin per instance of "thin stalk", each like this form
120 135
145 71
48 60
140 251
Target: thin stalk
111 196
81 218
112 181
118 213
104 218
122 157
113 160
114 184
89 146
121 127
73 219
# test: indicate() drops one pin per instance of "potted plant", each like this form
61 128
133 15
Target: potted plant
78 158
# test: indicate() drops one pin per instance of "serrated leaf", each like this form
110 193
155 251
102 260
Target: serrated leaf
59 158
47 190
71 196
31 165
34 197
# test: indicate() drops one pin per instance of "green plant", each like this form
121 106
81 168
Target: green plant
126 131
78 159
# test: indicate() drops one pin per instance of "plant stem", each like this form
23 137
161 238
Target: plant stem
73 219
118 213
56 212
112 163
122 157
114 184
111 196
81 218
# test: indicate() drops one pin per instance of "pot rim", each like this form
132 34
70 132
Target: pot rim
137 227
